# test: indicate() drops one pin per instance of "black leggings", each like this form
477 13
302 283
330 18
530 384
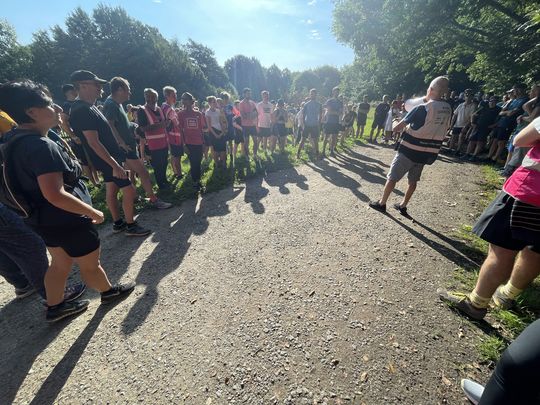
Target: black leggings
195 153
159 162
516 378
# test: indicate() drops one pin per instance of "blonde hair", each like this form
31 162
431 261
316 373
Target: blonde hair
168 90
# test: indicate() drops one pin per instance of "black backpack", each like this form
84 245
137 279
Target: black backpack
10 194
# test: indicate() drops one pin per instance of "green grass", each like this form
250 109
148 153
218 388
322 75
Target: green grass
510 322
490 348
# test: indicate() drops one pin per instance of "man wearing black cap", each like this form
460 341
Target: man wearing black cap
93 129
507 122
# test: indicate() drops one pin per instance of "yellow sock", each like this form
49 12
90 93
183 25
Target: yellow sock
478 301
510 291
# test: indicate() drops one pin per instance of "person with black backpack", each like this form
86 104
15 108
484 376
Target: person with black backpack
45 183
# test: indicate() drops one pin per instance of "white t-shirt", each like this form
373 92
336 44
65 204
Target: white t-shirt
265 114
212 118
464 113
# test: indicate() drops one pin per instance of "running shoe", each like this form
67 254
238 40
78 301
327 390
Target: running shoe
473 391
377 206
501 301
160 204
73 292
117 292
119 227
462 303
24 292
65 309
135 229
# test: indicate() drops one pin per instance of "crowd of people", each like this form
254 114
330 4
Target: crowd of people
47 151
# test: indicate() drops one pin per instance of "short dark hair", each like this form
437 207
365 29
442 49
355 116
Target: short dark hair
18 96
67 87
118 83
246 89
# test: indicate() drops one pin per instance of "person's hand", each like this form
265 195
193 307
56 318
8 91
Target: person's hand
119 172
519 119
96 216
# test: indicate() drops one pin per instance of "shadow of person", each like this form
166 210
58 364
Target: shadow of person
466 250
364 158
24 337
334 175
51 387
171 245
282 178
255 192
452 254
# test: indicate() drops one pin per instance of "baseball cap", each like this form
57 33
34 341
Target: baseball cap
85 76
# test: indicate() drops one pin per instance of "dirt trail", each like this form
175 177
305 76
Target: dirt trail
287 289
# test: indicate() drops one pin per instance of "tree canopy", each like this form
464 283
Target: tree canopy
400 45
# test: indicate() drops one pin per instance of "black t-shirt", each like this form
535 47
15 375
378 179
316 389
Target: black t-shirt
87 117
238 121
381 111
363 108
67 106
487 116
142 119
32 157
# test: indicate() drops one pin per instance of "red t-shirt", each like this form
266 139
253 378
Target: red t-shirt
191 126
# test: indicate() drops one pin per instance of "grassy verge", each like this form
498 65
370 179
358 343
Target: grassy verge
510 323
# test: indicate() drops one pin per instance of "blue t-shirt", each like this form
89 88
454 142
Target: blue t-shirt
416 118
510 122
312 111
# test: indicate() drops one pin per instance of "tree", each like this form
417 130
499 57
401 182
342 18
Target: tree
246 72
14 57
493 42
204 58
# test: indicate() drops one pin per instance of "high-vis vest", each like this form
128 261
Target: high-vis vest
173 132
423 145
156 139
524 183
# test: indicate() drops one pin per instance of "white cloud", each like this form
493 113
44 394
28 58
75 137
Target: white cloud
314 34
312 2
274 6
157 1
307 22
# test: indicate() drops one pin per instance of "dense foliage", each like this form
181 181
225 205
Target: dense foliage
400 45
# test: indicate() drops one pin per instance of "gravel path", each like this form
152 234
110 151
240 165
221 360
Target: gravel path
288 289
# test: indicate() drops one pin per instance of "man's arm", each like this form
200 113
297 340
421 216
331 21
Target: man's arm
400 126
117 136
529 136
93 141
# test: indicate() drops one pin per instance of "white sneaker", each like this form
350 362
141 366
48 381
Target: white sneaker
473 391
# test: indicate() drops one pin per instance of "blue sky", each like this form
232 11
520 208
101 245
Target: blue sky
290 33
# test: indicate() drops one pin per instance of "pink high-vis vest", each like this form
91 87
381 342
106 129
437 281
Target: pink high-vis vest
524 183
156 139
174 135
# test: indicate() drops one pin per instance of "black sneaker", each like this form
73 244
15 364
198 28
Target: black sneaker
65 309
117 292
135 229
376 206
24 292
119 227
402 210
73 292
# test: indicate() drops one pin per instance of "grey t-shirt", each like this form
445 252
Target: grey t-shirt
115 112
335 108
312 111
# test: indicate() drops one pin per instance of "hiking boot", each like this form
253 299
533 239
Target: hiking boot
501 301
462 303
402 210
472 390
24 292
71 293
119 227
160 205
117 292
135 229
65 309
377 206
